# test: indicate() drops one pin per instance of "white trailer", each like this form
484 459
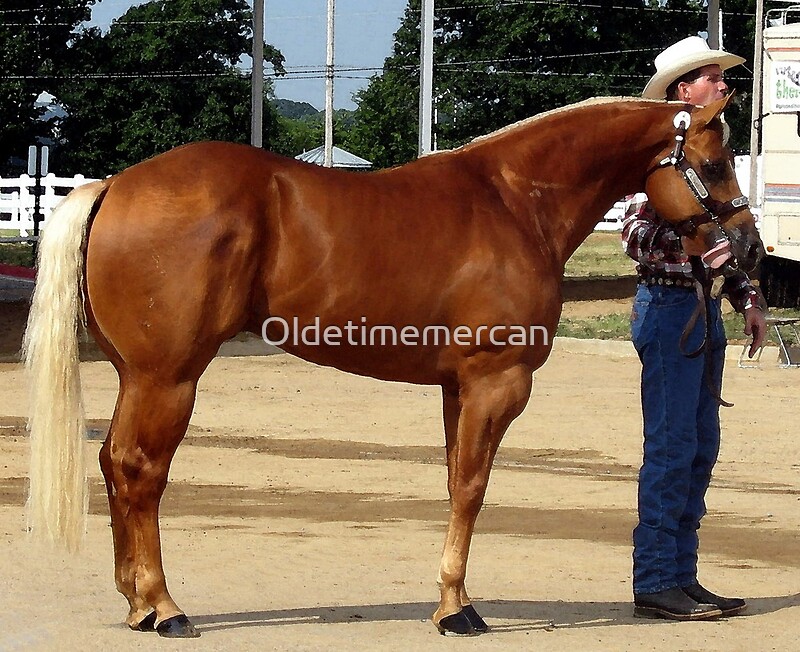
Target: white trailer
779 183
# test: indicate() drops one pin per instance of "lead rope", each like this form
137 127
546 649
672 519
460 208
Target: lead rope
702 310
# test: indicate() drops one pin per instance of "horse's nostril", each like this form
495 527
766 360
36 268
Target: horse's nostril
753 254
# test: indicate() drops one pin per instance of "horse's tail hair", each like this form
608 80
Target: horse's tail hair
58 499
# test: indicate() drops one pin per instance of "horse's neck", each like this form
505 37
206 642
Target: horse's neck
567 171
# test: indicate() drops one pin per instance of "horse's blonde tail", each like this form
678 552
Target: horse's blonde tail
58 500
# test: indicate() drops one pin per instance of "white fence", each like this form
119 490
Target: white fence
17 200
612 221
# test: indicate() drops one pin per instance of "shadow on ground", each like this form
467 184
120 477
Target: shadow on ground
528 614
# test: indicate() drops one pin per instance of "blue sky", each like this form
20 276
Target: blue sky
364 30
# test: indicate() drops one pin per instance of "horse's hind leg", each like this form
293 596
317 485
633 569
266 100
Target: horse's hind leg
149 422
488 404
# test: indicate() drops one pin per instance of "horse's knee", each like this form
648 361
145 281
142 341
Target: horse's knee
508 400
469 493
497 399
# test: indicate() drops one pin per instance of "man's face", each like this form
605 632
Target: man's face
707 88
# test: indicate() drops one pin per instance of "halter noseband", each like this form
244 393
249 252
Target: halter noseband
713 209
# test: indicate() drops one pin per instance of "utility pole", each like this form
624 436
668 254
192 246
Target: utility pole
257 76
426 78
328 160
714 25
38 163
755 117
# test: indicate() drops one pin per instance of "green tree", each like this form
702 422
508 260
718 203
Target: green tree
297 135
738 36
507 62
385 127
34 39
164 74
499 61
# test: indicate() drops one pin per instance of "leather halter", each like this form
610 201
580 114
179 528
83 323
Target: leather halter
713 210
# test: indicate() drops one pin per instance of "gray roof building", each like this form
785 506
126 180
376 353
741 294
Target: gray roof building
341 158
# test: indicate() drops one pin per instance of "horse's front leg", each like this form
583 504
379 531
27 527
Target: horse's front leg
474 427
149 422
451 411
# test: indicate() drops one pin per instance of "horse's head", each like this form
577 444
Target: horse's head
692 184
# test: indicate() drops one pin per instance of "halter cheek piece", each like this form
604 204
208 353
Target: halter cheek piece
713 209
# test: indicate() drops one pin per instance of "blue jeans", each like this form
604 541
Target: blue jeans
681 434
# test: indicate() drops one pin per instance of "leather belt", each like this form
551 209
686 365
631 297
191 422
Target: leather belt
667 281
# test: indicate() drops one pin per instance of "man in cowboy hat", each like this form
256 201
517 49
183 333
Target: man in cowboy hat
680 409
689 71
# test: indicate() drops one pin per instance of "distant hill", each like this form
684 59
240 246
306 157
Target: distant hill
305 112
294 110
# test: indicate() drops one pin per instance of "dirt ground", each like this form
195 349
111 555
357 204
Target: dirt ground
307 507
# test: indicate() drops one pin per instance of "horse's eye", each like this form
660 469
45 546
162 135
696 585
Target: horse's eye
716 170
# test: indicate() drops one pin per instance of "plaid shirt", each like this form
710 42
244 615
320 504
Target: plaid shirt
656 247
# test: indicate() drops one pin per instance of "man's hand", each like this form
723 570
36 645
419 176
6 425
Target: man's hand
755 324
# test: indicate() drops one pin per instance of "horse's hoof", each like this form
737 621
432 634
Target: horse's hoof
456 625
478 623
147 624
177 627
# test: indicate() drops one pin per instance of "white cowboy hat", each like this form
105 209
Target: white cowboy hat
682 57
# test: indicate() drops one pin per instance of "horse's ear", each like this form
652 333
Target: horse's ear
703 115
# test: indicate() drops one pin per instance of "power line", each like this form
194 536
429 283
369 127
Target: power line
551 57
439 8
119 20
123 75
315 72
181 21
319 74
581 5
295 71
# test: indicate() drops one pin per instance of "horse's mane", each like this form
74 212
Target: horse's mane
594 101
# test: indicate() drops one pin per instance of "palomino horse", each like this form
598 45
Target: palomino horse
173 256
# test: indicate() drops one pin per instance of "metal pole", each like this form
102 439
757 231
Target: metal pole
257 76
755 117
328 160
37 167
714 25
426 78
